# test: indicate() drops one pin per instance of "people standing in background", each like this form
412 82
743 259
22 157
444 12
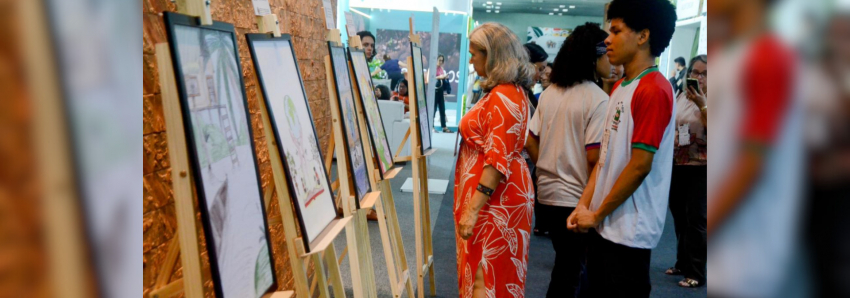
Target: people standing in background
537 56
393 68
367 40
440 93
624 204
607 75
401 94
690 169
544 79
564 140
492 207
677 78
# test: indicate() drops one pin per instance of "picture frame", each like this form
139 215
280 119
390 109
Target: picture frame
292 123
222 155
377 132
348 119
421 102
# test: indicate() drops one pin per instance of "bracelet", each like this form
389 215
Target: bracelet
702 109
485 190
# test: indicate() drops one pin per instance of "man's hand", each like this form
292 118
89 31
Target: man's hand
586 219
573 220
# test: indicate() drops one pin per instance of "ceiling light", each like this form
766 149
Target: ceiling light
560 14
483 4
497 7
498 3
497 11
572 6
551 13
488 10
489 2
556 9
562 6
564 10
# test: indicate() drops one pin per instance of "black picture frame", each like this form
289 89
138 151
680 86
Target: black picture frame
352 52
172 20
421 101
342 75
309 243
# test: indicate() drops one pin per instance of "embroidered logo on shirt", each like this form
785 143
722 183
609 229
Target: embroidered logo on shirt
616 123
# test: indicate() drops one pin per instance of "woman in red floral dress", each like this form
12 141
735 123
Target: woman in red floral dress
494 197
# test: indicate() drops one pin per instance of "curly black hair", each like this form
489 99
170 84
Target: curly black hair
385 91
576 60
657 16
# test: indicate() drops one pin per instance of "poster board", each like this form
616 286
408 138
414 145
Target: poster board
550 39
222 155
292 123
377 132
351 134
421 104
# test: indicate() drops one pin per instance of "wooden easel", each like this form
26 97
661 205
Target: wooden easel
421 204
295 247
356 233
191 283
393 245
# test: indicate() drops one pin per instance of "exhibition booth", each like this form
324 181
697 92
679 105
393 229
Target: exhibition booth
277 142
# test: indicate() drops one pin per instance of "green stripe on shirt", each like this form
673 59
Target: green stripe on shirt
646 147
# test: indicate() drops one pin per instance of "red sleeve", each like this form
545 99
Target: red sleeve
506 114
768 85
652 111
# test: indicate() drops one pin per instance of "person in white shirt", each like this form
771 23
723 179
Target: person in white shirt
625 202
565 134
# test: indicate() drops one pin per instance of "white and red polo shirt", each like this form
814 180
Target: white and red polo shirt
640 115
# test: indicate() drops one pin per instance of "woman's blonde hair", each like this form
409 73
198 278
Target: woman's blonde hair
507 60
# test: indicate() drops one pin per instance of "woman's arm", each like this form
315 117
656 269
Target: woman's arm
376 71
490 179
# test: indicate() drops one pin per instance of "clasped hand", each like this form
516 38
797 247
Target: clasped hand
582 219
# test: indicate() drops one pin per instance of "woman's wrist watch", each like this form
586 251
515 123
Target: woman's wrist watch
485 190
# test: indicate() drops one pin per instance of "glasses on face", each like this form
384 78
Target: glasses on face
695 73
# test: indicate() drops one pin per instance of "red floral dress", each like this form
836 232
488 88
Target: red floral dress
494 133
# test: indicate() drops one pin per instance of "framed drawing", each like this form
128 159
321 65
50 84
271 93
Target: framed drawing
421 103
222 156
292 124
351 136
370 106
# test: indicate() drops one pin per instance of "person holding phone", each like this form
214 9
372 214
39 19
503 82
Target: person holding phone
690 171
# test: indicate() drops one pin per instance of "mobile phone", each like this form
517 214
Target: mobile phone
693 83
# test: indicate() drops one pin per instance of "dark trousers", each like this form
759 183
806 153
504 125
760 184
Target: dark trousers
687 204
440 103
615 270
570 250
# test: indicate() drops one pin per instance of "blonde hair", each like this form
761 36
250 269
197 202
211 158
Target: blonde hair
507 60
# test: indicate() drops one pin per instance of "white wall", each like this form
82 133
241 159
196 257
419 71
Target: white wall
519 22
680 46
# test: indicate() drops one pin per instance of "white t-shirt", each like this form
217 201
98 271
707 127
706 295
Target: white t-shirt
568 122
640 115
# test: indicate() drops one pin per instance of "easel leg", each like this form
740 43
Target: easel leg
333 268
398 244
429 247
389 252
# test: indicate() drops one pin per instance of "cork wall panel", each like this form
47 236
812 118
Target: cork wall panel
304 20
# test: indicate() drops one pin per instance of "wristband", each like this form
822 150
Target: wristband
485 190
